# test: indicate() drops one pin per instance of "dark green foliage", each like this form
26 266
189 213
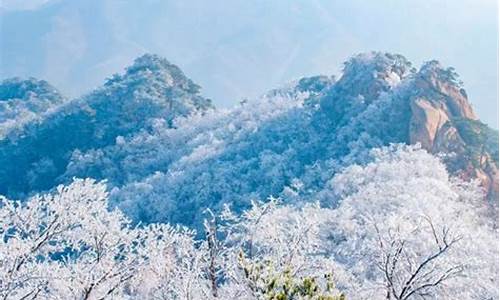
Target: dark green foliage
443 74
268 283
479 138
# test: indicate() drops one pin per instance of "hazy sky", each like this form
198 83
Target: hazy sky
241 48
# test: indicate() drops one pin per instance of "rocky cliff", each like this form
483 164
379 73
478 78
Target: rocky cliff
443 121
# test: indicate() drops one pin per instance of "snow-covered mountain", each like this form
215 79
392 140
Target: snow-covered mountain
33 158
326 188
167 155
24 101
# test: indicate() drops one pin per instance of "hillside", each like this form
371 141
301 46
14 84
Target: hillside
23 102
167 156
356 187
151 89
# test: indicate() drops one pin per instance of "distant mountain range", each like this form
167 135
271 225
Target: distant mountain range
167 153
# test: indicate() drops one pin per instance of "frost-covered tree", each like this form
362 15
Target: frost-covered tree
25 101
406 230
167 157
69 245
175 265
257 149
401 228
152 88
66 245
269 252
406 275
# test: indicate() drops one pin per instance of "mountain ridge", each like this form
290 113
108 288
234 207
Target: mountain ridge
150 88
165 164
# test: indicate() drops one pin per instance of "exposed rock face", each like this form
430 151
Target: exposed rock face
442 86
381 95
443 121
426 120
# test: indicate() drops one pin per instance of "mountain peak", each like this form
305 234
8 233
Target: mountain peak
378 61
364 78
150 89
25 89
443 121
378 100
152 65
377 69
433 69
152 61
445 89
23 101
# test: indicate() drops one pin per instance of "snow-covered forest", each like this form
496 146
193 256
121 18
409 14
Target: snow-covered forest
379 184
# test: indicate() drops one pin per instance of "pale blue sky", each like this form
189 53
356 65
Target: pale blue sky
242 48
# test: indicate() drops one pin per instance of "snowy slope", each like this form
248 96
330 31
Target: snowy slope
167 156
